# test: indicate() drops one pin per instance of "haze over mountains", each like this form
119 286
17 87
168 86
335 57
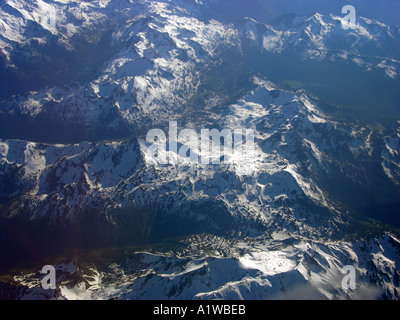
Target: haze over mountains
321 189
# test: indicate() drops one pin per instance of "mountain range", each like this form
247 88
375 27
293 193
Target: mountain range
319 191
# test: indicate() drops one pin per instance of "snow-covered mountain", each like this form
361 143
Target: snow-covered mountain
208 267
156 70
370 44
391 157
162 54
89 79
277 186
